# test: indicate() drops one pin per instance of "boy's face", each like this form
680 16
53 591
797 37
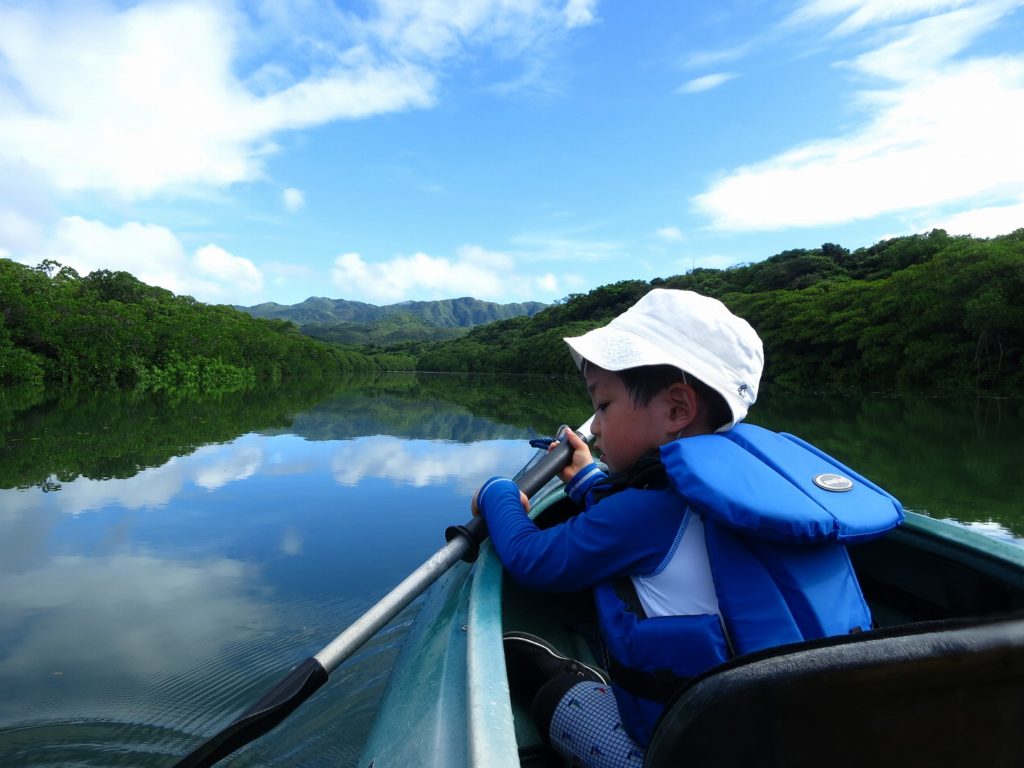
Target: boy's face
623 431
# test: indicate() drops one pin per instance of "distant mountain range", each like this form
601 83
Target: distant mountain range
355 322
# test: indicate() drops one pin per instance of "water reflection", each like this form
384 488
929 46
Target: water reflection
422 463
158 575
74 623
47 440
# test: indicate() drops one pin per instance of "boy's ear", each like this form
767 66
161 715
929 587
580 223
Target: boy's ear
683 406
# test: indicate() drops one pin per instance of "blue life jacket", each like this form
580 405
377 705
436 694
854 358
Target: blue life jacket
777 514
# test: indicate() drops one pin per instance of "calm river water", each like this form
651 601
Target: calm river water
164 561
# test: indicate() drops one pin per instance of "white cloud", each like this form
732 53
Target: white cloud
228 270
24 205
293 199
473 272
923 47
672 234
548 283
436 29
178 97
705 83
369 90
17 229
150 252
945 132
864 13
580 13
153 97
982 222
144 99
714 58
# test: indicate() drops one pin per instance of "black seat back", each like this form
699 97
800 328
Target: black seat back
942 694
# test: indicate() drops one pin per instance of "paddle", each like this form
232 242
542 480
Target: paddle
299 684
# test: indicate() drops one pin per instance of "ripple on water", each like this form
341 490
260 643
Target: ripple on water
149 722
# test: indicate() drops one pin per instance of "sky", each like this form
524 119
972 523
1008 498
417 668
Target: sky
509 150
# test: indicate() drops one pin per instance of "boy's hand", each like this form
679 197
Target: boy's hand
581 456
475 504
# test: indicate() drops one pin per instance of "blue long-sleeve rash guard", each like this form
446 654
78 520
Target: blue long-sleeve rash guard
631 532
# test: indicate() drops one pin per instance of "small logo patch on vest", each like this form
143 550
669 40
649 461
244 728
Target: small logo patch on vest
832 482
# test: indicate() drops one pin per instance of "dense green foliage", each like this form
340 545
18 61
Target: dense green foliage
109 328
927 313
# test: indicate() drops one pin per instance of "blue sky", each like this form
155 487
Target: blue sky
511 150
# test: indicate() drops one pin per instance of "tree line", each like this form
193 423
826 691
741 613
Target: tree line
927 313
110 329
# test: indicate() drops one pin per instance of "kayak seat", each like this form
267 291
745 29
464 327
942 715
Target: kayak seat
943 693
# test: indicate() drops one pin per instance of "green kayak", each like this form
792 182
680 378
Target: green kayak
939 681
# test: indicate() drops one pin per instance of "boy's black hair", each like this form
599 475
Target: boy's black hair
645 381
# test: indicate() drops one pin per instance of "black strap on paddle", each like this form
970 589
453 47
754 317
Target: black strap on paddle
463 542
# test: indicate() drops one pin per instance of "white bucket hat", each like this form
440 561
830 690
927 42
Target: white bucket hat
695 333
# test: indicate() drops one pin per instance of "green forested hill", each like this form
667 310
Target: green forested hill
927 313
315 309
355 322
109 328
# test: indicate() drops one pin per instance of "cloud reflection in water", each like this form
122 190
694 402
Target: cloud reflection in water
423 462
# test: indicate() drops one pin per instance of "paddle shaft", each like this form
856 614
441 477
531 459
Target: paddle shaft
308 676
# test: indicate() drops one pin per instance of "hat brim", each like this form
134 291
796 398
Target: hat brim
615 349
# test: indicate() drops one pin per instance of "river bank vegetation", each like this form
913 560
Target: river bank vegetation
927 313
109 329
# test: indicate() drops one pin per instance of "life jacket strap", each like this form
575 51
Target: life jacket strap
659 686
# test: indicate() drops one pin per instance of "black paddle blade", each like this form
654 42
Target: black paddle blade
280 702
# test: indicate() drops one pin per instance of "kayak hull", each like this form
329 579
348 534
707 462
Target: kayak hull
447 701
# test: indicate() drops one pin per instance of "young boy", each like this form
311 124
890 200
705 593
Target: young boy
687 541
